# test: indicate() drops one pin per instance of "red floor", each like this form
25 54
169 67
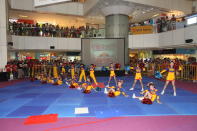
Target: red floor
164 123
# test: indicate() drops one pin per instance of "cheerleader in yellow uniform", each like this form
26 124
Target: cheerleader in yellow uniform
112 74
87 88
72 71
149 95
43 79
170 77
82 74
138 77
58 81
92 76
113 92
55 71
50 80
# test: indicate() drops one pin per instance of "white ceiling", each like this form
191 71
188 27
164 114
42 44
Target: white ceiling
137 13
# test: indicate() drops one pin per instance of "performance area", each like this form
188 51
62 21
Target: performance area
98 65
23 99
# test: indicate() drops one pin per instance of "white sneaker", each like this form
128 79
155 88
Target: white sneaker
134 96
174 93
131 89
142 89
162 92
105 91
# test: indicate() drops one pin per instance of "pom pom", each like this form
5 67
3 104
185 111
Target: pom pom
111 94
55 83
44 82
87 91
71 86
147 101
127 68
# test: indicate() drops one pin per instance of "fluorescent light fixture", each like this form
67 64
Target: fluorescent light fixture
48 2
192 20
23 16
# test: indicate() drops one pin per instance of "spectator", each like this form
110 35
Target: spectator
173 22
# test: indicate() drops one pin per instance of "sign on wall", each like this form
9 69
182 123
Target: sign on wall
47 2
147 29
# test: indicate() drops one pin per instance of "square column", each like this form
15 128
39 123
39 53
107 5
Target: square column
3 33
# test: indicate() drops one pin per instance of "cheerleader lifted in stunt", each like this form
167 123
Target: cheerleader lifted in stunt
112 74
138 76
170 77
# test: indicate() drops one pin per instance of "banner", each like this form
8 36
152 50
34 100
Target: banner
147 29
47 2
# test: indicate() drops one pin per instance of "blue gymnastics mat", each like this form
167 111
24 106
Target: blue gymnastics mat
33 98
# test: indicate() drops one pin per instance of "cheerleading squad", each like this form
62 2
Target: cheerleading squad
58 76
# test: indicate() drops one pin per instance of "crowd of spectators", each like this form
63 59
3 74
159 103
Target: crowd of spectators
48 30
21 69
164 23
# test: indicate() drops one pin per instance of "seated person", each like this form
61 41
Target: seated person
50 80
149 95
73 84
113 92
43 79
58 81
87 87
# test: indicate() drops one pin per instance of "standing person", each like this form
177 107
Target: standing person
20 71
72 71
170 77
92 76
112 74
82 73
173 22
55 71
138 76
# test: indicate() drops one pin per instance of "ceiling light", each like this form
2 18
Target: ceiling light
155 15
23 16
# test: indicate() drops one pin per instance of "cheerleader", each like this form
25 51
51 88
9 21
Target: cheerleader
92 76
170 77
112 74
113 92
82 74
149 95
138 76
73 84
55 71
87 88
58 81
50 80
72 70
43 79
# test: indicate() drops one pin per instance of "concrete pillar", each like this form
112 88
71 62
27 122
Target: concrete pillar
117 27
3 33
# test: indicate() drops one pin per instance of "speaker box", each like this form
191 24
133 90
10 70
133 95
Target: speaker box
10 43
189 41
52 47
